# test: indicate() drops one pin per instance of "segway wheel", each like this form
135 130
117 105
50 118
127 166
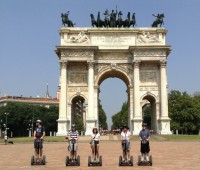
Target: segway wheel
67 161
89 160
100 160
150 160
131 161
120 160
32 160
139 160
78 160
44 160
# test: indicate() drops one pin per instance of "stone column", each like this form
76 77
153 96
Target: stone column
96 104
136 90
90 118
157 117
62 121
131 112
164 119
90 89
163 89
137 118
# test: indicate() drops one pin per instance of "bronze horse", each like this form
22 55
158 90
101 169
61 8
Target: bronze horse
119 21
65 20
93 21
159 20
99 22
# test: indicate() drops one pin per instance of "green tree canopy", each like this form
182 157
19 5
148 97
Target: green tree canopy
102 117
21 115
184 111
120 118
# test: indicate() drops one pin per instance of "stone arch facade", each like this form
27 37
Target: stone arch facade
138 56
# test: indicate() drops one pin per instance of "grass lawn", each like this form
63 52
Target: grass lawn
181 137
30 139
134 138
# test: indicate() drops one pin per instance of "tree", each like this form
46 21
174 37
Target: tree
21 114
102 117
184 111
120 118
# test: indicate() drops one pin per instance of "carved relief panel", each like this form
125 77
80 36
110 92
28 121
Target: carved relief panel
77 78
149 73
77 73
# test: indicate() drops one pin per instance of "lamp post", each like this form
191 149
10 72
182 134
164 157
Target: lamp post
32 123
6 124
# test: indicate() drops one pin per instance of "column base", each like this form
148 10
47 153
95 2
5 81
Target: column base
63 127
90 124
164 124
136 125
166 132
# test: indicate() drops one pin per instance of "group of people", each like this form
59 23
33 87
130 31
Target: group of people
144 137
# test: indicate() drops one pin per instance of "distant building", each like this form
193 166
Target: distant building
29 100
46 101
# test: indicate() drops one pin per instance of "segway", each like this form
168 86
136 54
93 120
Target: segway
126 162
73 161
38 161
95 162
145 162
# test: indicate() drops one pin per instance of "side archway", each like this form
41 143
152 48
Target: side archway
149 111
78 111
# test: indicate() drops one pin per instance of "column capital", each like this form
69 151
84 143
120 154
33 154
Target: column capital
90 64
163 63
63 63
136 63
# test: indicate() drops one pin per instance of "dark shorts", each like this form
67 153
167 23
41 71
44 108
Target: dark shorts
38 143
95 142
145 147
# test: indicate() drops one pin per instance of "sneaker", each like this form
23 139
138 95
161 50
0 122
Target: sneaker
147 158
142 158
123 160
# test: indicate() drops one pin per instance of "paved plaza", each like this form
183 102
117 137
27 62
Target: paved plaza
166 155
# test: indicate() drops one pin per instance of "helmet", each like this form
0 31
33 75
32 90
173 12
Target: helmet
73 126
38 121
144 124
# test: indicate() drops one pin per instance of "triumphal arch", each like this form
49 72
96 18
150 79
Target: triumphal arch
137 56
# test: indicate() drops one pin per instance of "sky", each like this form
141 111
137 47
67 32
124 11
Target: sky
29 34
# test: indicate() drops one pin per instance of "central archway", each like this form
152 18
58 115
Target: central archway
112 95
113 73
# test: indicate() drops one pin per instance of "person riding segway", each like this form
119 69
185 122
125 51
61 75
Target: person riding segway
38 136
144 137
97 160
126 159
73 136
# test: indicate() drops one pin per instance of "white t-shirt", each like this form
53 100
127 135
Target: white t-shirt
95 136
125 135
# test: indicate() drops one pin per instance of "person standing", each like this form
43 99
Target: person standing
95 137
73 140
144 137
38 135
125 139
